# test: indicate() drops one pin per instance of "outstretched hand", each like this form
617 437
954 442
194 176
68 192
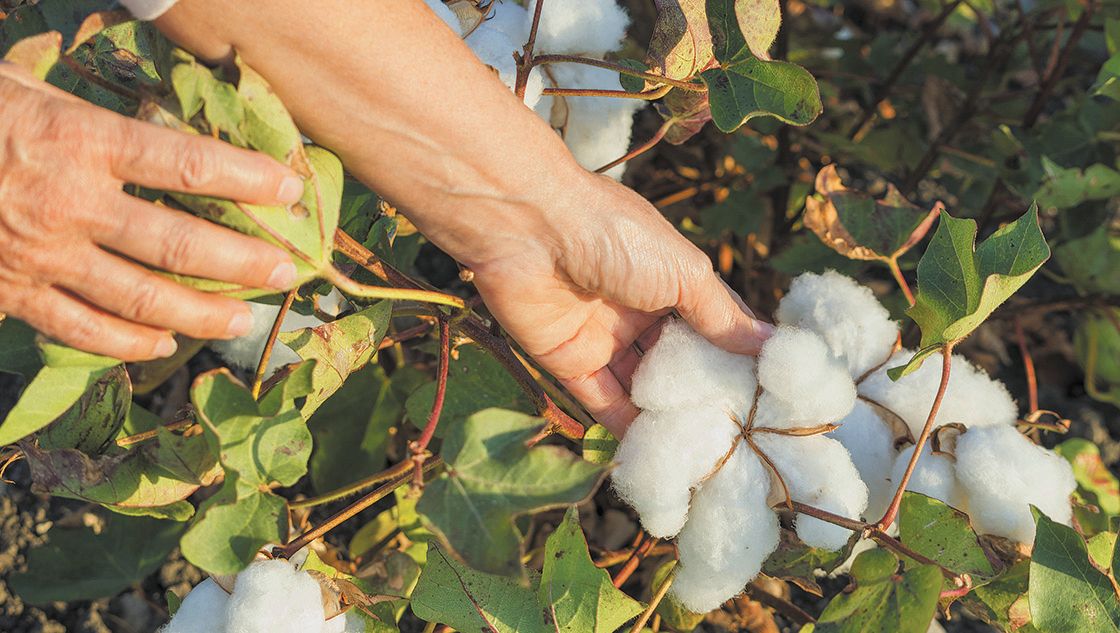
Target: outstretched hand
583 296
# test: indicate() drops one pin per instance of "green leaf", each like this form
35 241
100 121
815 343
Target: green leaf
19 353
599 445
229 531
1098 350
38 54
578 595
798 563
1067 593
1095 482
91 424
1003 601
681 44
470 600
1101 548
339 348
78 564
672 612
65 376
883 600
1068 187
1092 262
960 284
491 478
943 534
744 86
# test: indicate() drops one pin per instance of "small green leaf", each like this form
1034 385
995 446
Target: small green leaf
599 445
943 534
65 376
491 478
1067 593
1003 601
919 357
1092 262
1101 548
578 595
78 564
1068 187
19 353
960 284
1095 481
883 599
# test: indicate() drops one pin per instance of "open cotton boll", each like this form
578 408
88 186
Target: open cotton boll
972 398
272 596
579 27
797 371
852 322
598 129
818 471
444 13
683 369
664 455
870 443
1004 473
730 532
934 476
203 610
495 49
244 352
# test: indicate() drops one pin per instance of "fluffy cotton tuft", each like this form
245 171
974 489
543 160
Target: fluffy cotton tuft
272 596
870 442
934 476
852 322
444 13
494 48
972 398
802 380
818 472
1004 473
684 369
203 610
730 532
664 455
579 27
511 19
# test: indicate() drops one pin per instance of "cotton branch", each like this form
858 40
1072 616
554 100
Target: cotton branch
266 353
419 448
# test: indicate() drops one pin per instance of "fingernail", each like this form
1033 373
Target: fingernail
240 324
283 276
166 347
763 329
291 190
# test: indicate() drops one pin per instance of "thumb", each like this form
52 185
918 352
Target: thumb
719 314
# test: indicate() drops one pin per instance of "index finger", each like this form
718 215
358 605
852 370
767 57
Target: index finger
160 158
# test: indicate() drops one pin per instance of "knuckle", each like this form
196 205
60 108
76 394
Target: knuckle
143 302
179 246
196 167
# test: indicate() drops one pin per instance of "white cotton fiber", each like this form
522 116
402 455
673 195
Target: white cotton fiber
664 455
871 445
244 352
1004 473
495 49
446 14
684 369
852 322
203 610
730 532
803 379
818 472
934 476
579 27
972 398
272 596
511 19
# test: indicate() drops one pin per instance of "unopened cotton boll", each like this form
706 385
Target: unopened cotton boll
444 13
730 532
579 27
1004 473
272 596
972 398
802 379
818 472
934 476
244 352
495 49
202 611
870 442
852 322
684 369
664 455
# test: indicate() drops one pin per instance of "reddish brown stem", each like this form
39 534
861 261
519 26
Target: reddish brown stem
419 448
619 68
892 511
647 95
1028 365
896 272
632 563
266 353
639 150
1059 67
525 64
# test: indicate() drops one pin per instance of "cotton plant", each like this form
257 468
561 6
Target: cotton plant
723 439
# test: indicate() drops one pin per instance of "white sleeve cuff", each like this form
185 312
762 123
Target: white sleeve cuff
147 9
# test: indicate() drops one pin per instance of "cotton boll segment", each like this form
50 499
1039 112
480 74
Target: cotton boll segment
802 378
934 476
446 14
579 27
664 455
684 369
818 472
1004 473
730 532
273 597
870 443
852 322
203 610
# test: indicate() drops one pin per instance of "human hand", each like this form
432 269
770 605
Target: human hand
595 280
68 232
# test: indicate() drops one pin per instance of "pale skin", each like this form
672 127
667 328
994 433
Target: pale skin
577 268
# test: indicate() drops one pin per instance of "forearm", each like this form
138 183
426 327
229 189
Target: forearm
409 109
